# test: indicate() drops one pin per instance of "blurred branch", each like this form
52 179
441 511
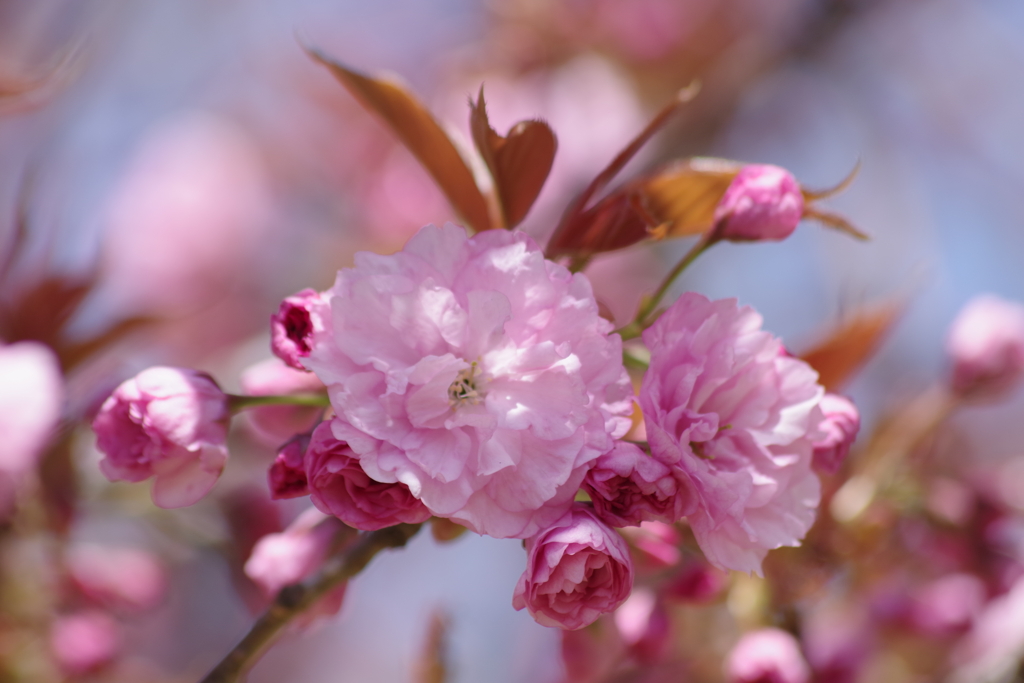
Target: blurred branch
295 599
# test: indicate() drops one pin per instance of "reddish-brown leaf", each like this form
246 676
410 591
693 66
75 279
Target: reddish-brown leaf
681 199
847 347
519 162
421 134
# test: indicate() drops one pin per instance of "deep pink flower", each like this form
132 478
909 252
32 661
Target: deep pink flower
697 582
763 202
276 424
986 345
340 487
287 474
84 642
769 655
167 423
726 405
628 487
294 555
117 577
294 329
31 393
576 570
475 372
841 424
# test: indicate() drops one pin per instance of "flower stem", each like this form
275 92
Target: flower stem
237 402
292 600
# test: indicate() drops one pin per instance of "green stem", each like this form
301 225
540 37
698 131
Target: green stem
643 318
237 402
292 600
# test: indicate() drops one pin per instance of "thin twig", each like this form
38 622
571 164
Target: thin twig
292 600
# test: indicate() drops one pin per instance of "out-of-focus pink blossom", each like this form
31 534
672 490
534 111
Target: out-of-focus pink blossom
339 486
763 202
475 372
724 404
300 318
697 582
84 642
841 424
295 554
117 577
986 345
287 474
590 654
643 625
167 423
576 570
275 424
31 393
656 545
992 649
947 605
768 655
837 641
628 487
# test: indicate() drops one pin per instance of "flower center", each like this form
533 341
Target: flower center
465 388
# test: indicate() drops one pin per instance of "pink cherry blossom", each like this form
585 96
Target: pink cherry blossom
117 577
628 487
31 393
84 642
166 423
986 345
294 555
300 319
339 486
769 655
576 570
763 202
841 424
276 424
726 405
475 372
287 474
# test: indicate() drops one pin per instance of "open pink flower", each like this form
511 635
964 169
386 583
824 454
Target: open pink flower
475 372
841 424
166 423
763 202
576 570
628 487
725 404
986 344
300 319
339 486
769 655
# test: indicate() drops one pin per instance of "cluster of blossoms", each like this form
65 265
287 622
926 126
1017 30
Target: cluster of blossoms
472 379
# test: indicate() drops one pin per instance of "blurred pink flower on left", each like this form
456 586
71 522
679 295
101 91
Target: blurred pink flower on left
31 392
167 423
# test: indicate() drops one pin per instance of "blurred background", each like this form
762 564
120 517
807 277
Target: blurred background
183 165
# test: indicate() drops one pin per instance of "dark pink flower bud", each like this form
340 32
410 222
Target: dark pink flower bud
84 642
287 474
117 577
628 487
841 424
276 424
166 423
698 582
763 202
643 625
576 570
986 345
339 486
293 328
768 655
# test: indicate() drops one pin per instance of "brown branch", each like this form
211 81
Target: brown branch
294 599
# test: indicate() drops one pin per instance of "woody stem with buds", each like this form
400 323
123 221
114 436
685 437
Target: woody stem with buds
293 600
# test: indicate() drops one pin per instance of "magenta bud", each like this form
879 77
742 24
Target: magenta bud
986 345
841 424
763 202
